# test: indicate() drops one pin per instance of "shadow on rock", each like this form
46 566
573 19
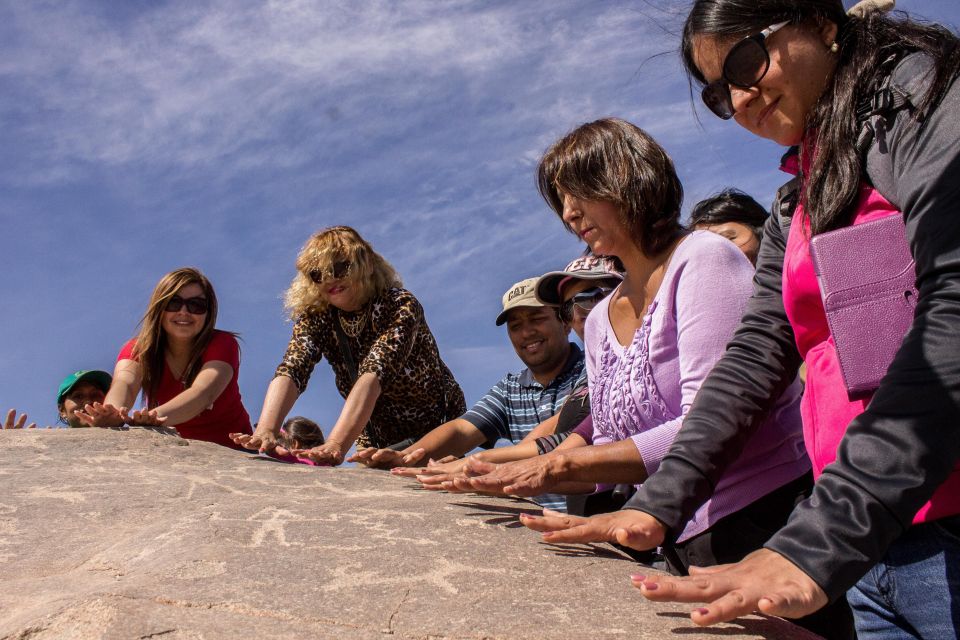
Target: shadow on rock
585 550
754 625
503 515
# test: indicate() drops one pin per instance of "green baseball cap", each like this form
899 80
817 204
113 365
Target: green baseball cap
100 379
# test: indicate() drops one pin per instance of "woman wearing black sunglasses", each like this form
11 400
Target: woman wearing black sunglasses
872 102
349 308
185 366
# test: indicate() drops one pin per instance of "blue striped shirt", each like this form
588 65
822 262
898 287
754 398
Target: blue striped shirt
518 403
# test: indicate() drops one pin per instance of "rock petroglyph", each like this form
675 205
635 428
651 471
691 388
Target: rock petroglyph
110 534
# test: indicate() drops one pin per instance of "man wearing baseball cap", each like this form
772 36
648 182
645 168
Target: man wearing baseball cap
519 401
76 390
577 289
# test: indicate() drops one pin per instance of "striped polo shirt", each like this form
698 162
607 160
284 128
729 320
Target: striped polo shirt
518 403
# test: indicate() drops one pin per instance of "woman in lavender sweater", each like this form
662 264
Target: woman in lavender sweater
651 343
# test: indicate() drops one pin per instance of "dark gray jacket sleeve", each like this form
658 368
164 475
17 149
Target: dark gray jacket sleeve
760 362
905 445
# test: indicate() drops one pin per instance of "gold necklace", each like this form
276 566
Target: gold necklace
353 326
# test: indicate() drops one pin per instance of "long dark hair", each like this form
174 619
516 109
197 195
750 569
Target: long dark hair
612 160
730 205
865 44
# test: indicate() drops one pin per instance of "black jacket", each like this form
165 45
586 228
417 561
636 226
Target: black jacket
895 454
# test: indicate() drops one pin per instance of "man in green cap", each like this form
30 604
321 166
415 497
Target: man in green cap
77 390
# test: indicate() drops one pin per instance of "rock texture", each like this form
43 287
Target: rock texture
136 534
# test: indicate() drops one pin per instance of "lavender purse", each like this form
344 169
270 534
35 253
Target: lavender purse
867 282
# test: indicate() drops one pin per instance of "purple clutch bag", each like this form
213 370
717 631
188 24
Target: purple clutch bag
867 282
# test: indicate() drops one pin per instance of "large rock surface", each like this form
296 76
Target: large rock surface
135 534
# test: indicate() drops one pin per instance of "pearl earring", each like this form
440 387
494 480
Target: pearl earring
834 48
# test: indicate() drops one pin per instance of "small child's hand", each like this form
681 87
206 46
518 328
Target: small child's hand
328 454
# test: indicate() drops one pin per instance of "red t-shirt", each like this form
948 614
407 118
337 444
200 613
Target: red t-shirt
227 414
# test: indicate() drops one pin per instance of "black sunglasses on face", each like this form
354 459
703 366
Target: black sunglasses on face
745 66
196 306
585 300
338 271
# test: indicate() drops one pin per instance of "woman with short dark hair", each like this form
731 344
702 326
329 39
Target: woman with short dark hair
651 342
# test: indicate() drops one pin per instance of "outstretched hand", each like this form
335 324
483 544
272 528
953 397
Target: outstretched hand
12 422
142 418
529 477
375 458
105 416
435 468
764 581
629 527
263 441
328 454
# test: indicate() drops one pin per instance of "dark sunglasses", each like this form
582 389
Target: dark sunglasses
745 65
337 271
196 306
585 300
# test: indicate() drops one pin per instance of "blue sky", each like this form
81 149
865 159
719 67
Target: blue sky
138 137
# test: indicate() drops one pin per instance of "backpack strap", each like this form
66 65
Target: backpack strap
788 195
786 202
876 110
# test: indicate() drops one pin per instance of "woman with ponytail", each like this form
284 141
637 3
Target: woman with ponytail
871 106
186 368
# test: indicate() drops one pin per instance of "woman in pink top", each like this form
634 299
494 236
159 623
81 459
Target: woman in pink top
185 367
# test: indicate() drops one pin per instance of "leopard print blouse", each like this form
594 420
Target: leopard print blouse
418 390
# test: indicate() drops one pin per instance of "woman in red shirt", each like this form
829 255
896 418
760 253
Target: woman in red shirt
186 368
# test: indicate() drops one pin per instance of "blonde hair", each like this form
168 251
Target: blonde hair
369 270
152 340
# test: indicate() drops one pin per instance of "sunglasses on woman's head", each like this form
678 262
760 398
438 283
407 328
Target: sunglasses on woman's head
585 300
745 66
337 271
196 306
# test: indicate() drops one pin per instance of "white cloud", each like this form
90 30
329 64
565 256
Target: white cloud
193 86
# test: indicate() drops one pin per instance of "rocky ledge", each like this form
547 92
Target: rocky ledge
107 534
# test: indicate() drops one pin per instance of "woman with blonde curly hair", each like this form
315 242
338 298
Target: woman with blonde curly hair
348 306
186 368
